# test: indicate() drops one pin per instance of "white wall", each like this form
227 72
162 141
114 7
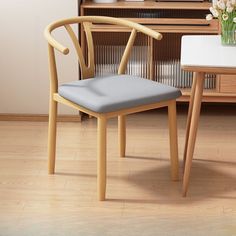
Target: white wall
24 82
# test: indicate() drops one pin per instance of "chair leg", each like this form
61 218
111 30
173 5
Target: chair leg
52 126
173 141
101 161
122 135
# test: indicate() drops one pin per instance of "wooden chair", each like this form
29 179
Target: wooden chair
111 96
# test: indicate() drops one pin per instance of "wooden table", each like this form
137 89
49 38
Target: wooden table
201 54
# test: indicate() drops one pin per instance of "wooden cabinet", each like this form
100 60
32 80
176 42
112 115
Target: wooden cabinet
158 61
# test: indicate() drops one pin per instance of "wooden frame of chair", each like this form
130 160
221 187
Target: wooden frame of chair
87 71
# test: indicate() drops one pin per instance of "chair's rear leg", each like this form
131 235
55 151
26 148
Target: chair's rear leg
101 161
122 135
173 140
52 125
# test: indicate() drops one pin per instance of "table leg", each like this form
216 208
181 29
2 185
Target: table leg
190 109
193 129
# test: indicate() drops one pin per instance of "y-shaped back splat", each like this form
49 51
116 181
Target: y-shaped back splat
87 71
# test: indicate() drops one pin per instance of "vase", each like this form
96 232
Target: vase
228 31
228 37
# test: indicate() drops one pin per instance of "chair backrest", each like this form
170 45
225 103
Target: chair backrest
87 71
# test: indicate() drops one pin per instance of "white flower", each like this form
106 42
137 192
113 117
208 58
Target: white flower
214 12
233 2
209 17
229 9
225 17
234 19
228 4
221 5
212 9
214 3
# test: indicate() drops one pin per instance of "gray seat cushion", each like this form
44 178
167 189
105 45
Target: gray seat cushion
116 92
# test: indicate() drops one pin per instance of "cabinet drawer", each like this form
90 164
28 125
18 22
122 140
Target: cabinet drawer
228 83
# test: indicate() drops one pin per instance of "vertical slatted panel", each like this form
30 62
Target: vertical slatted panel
167 64
109 49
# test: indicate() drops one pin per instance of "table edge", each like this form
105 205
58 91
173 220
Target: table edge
209 69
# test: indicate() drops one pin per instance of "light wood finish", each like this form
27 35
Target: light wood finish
210 96
88 71
150 58
212 28
126 55
216 70
217 88
121 70
38 117
91 66
122 134
173 141
194 118
190 110
101 165
66 102
52 136
108 115
94 19
138 109
150 4
174 21
140 195
52 111
228 84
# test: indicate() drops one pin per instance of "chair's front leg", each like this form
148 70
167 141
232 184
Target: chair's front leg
52 126
101 161
122 135
173 140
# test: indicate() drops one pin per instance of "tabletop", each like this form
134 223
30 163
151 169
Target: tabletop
206 51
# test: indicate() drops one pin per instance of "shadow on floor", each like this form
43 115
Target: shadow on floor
153 185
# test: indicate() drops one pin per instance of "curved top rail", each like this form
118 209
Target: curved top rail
95 19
